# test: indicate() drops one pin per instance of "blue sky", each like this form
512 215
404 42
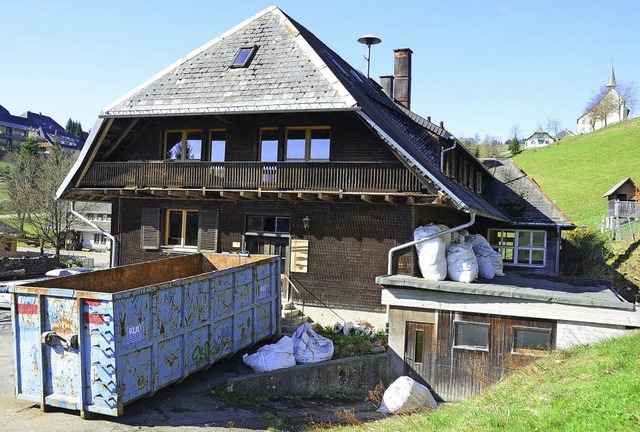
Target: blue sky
479 66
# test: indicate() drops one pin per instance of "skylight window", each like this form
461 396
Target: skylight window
243 57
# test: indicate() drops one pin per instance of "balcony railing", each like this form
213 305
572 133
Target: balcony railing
624 209
275 176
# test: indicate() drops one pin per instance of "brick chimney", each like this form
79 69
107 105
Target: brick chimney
386 82
402 77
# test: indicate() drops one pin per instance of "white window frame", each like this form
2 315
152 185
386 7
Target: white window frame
516 247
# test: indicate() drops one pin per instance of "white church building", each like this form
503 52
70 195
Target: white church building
610 109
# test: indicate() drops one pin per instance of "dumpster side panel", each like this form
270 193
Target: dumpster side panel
28 355
98 347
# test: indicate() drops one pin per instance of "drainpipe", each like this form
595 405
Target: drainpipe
558 243
455 143
472 220
88 222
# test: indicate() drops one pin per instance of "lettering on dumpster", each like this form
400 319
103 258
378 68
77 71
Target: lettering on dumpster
135 333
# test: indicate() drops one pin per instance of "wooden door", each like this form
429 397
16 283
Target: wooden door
418 351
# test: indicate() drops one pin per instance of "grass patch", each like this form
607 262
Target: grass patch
577 171
588 388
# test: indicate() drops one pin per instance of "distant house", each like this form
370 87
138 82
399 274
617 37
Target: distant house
610 109
563 134
539 138
89 237
623 202
14 130
8 238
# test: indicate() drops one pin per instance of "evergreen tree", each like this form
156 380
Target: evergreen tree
29 147
514 146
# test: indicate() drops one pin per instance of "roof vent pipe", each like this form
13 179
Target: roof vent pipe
442 124
402 77
472 220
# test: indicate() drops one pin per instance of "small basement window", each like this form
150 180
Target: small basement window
471 336
533 341
244 56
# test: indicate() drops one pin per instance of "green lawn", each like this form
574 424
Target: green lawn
577 171
589 388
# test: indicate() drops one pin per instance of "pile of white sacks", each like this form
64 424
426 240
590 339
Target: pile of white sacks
459 255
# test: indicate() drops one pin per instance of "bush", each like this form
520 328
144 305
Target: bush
585 254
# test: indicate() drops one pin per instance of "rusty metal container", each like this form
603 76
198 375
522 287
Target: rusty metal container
96 341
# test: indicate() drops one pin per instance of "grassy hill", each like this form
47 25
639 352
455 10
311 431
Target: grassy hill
589 388
578 170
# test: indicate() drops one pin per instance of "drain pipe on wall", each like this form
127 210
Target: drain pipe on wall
455 143
392 251
112 261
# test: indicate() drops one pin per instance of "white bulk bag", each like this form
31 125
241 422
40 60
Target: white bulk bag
482 247
405 395
431 253
272 357
462 265
446 237
309 346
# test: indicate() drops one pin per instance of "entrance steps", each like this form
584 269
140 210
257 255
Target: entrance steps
292 318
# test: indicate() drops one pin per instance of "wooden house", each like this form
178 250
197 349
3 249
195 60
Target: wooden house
265 140
623 202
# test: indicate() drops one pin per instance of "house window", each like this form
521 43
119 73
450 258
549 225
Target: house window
471 336
183 144
218 144
99 239
529 340
478 182
243 57
181 227
19 132
304 144
520 247
419 347
269 144
269 224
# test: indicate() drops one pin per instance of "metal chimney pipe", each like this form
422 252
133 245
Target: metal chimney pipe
402 76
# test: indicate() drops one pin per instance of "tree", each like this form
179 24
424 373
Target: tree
74 128
629 94
514 146
34 180
553 125
29 147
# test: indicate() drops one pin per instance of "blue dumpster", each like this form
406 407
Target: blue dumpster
96 341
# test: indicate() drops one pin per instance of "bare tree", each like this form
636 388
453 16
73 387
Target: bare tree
553 125
628 92
34 180
515 131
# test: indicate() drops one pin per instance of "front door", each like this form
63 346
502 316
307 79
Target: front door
264 245
418 351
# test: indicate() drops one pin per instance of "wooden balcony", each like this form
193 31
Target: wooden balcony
624 209
329 177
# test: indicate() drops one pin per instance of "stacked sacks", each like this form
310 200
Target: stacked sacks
431 253
489 261
462 265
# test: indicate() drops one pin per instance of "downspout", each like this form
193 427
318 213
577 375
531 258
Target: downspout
472 220
455 143
88 222
558 244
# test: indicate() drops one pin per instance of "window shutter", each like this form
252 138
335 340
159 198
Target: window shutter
208 232
150 228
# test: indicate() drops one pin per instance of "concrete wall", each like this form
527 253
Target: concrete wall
571 333
353 375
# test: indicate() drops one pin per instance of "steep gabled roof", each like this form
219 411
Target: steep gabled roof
292 70
520 197
619 185
285 74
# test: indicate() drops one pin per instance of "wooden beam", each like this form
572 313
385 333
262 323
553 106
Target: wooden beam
391 199
372 199
307 196
287 196
89 160
230 195
249 195
326 197
118 140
